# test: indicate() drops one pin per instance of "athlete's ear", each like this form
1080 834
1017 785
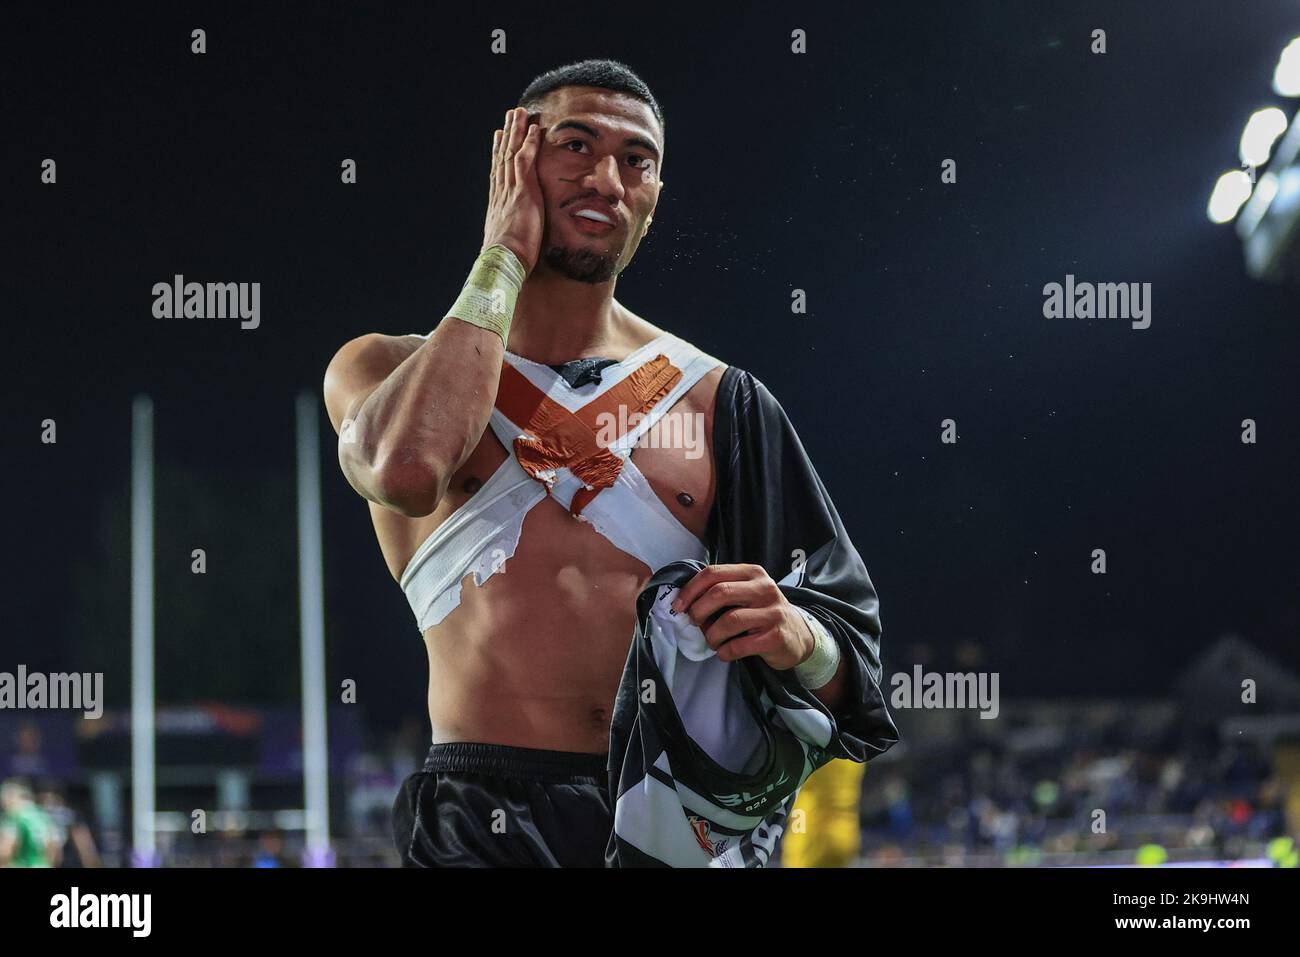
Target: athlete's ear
650 219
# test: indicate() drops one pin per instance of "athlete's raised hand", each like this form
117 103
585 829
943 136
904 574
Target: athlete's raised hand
516 212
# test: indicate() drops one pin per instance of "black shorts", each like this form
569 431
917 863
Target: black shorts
484 805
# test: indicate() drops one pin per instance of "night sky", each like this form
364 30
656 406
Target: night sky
819 172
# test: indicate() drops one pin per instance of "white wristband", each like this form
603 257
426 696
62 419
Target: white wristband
821 665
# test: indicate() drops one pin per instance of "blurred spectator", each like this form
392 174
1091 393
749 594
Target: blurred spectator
270 850
27 836
73 845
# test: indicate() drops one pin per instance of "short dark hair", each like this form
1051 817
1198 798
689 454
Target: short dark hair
606 74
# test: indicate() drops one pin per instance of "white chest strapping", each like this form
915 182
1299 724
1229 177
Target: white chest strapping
482 535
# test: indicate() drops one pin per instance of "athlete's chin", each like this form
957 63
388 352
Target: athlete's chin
584 262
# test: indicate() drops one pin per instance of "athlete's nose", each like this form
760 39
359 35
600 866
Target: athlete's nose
605 180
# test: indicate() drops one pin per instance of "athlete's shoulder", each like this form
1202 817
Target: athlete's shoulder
359 365
647 332
369 345
745 400
370 352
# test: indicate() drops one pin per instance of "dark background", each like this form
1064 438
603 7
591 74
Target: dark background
820 172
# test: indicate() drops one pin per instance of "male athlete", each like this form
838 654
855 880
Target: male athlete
521 499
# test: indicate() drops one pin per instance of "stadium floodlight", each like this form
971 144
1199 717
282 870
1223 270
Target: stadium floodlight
1261 132
1286 78
1230 192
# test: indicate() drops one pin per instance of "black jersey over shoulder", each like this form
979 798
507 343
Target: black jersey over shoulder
707 756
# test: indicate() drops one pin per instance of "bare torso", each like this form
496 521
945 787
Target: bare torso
532 658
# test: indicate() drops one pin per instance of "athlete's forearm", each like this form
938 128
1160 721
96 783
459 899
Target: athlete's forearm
419 426
424 420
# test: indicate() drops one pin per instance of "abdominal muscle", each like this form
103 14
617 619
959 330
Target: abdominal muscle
532 658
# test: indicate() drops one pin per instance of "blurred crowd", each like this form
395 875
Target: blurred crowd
963 799
1103 801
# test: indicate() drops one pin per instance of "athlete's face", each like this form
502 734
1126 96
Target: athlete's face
600 157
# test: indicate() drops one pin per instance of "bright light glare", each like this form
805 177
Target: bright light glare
1261 132
1286 78
1230 192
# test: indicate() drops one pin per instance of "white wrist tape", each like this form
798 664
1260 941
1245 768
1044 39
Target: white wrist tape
487 299
822 664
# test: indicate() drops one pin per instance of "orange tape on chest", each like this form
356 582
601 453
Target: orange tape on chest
557 438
